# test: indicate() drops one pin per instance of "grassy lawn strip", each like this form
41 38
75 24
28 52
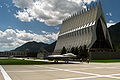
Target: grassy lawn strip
21 62
106 61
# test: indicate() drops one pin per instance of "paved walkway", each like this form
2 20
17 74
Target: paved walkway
32 59
3 74
1 77
92 71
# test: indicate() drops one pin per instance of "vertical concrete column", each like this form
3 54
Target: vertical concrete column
82 19
70 39
84 37
79 38
85 34
73 39
75 22
79 18
86 18
76 41
88 36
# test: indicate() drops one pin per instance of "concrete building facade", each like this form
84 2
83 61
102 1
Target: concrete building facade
87 27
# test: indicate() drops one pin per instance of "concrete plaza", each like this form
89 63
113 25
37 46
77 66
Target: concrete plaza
78 71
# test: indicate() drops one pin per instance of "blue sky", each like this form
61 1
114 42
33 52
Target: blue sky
22 21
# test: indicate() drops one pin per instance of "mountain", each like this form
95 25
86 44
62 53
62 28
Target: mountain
114 31
36 47
50 47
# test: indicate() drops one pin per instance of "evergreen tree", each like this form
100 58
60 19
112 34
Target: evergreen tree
76 51
72 50
63 51
85 52
80 50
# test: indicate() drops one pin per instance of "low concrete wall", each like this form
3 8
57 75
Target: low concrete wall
104 55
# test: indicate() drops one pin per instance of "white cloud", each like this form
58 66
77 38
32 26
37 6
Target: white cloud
53 35
23 16
109 14
110 24
110 21
30 31
23 3
9 26
89 1
10 39
44 32
51 12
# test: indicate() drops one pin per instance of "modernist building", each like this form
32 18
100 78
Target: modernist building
87 27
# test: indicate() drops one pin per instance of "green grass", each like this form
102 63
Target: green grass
101 61
21 62
106 61
29 62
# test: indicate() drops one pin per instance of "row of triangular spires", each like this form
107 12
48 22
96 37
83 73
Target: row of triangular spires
96 4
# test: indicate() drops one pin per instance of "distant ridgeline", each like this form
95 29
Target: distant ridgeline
30 49
115 35
37 47
87 27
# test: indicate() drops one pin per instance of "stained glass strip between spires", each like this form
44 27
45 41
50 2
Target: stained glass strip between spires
79 28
